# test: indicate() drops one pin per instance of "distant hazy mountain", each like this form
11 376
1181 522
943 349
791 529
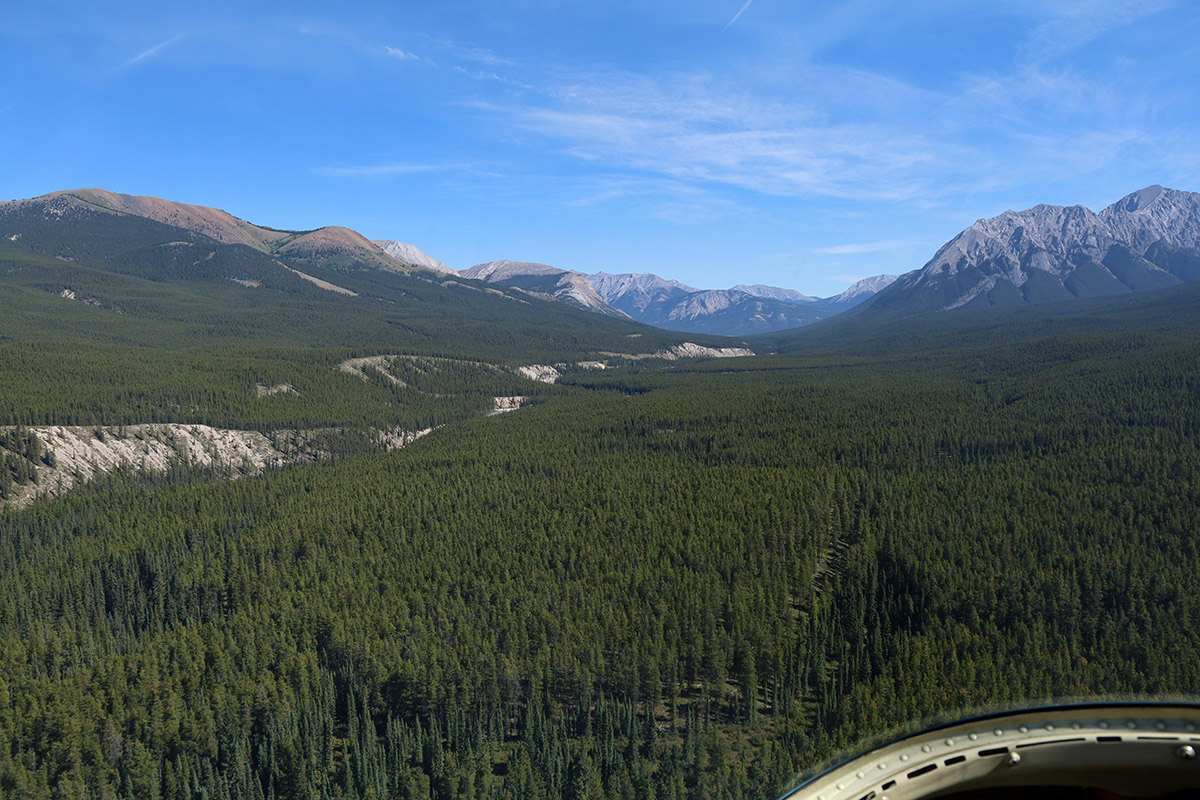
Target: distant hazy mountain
740 311
1147 240
775 293
566 286
409 254
860 292
676 306
638 288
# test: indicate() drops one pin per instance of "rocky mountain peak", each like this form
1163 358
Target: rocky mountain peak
861 290
1155 214
410 254
501 270
568 286
1146 240
611 286
774 292
1140 199
1044 237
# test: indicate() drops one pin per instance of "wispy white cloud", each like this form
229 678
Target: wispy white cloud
841 132
148 53
694 142
479 55
691 129
741 11
403 55
865 247
484 75
387 170
1070 24
654 197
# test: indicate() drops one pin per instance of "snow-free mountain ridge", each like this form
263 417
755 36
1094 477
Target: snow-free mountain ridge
544 280
333 246
410 254
651 299
1147 240
861 291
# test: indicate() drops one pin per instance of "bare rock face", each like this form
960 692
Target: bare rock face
409 254
498 271
1147 240
637 290
775 293
396 438
731 312
691 350
80 453
540 372
647 298
1155 215
861 291
686 350
74 454
1044 237
551 283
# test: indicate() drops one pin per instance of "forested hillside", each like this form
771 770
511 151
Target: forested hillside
117 321
682 582
115 318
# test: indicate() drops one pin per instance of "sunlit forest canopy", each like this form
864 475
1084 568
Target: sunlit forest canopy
684 581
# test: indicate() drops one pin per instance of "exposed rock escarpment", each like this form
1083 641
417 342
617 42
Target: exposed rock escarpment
72 454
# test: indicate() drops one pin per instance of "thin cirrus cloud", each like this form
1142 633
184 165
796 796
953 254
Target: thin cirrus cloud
153 50
865 247
688 129
403 55
896 141
1072 23
387 170
657 198
741 11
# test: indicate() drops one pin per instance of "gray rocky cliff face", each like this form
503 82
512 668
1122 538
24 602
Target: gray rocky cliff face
1049 253
657 301
730 312
409 254
567 286
775 293
1154 215
636 291
1044 237
574 287
496 271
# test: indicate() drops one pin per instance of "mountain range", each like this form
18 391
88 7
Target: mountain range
739 311
1149 239
331 247
543 280
154 265
649 299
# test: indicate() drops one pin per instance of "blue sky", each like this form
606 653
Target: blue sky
793 143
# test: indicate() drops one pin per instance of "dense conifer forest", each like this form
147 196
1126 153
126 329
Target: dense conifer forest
689 581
